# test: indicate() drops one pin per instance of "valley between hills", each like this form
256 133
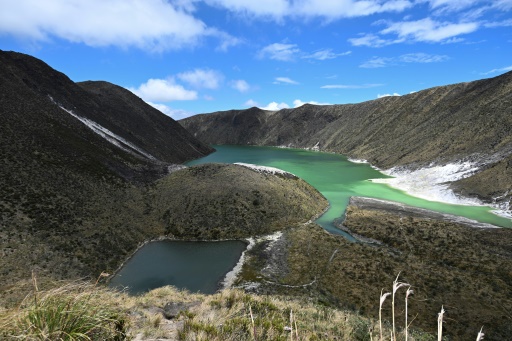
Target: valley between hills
90 172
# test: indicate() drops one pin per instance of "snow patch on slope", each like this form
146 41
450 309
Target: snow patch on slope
357 160
111 137
265 169
431 183
231 276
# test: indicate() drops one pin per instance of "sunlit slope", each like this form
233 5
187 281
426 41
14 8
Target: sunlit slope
219 201
467 121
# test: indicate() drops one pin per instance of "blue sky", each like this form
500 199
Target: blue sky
189 56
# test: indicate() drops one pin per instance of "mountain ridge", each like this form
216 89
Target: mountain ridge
63 182
469 121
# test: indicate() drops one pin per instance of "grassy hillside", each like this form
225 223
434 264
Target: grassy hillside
467 270
68 191
109 222
218 201
94 313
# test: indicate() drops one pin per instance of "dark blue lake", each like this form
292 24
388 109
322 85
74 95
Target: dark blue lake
195 266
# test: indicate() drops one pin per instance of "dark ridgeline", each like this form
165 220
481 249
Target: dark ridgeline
467 121
64 188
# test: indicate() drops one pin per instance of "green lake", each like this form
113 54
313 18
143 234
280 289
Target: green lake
201 266
338 179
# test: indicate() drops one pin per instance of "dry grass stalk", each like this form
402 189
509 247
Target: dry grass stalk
480 335
34 284
291 325
296 330
382 299
440 324
396 285
407 293
253 325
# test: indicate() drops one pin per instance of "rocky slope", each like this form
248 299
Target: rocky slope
447 124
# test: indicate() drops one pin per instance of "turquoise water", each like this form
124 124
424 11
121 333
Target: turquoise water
195 266
338 179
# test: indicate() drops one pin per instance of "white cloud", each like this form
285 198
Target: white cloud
202 78
288 52
154 25
500 70
285 80
265 8
274 106
163 90
251 103
387 95
226 40
278 51
325 54
176 114
297 103
503 5
329 9
333 9
451 5
504 23
422 58
428 30
378 62
371 40
424 30
353 86
240 85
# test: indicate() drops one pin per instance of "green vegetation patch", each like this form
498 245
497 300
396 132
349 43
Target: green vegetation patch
220 201
466 270
75 311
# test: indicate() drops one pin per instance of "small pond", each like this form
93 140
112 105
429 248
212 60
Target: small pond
195 266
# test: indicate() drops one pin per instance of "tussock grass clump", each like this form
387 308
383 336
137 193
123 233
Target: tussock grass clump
86 311
73 311
235 315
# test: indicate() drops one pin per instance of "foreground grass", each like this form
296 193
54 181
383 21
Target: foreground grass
84 311
73 311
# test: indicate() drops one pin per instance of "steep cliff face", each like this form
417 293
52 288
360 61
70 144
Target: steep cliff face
461 122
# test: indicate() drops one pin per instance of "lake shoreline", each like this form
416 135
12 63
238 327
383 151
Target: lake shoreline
165 238
434 188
